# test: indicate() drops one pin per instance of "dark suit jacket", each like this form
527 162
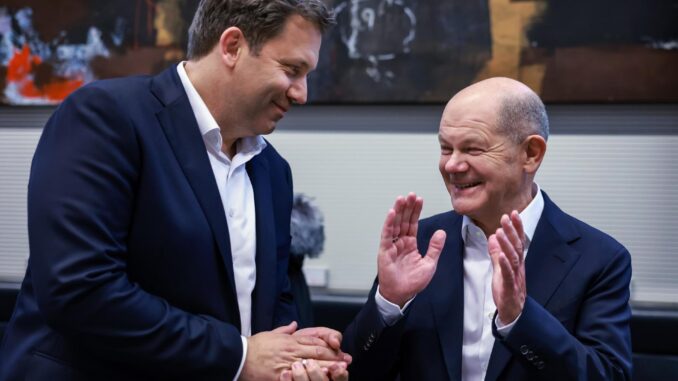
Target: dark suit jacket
130 273
574 326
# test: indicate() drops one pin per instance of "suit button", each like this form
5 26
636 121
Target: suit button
529 356
524 349
540 365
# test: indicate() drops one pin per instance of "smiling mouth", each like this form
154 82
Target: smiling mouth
467 186
283 109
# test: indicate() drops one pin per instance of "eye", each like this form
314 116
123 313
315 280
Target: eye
474 150
293 70
446 150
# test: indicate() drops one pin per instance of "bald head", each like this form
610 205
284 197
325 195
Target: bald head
492 141
519 111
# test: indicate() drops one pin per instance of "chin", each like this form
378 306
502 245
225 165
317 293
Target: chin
266 130
465 208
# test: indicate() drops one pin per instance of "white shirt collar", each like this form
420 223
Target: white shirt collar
530 216
209 129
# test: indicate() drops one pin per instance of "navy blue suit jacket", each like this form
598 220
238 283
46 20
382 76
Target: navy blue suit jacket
574 326
130 273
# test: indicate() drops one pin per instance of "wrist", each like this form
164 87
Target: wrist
394 299
508 316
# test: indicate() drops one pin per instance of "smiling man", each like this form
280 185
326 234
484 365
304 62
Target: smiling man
511 287
159 218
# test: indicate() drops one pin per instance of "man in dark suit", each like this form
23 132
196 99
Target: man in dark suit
522 290
159 218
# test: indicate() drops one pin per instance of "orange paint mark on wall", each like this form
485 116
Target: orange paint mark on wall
21 65
20 70
58 91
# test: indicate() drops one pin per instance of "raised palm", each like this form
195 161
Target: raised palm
403 271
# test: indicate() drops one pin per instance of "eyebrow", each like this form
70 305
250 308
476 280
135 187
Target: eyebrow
464 140
297 62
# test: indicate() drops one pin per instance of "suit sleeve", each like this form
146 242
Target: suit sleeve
81 202
599 348
373 344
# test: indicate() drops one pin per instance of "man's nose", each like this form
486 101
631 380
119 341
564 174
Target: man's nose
456 163
298 91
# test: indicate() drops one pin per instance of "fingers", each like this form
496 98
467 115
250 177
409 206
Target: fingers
508 249
311 370
299 372
287 329
435 246
286 375
331 364
514 233
311 340
315 372
387 232
399 207
405 218
338 373
414 217
409 211
319 352
518 224
507 273
329 336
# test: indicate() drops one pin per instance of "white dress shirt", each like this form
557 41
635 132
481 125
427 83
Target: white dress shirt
237 198
479 307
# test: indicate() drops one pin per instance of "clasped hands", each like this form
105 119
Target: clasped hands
285 353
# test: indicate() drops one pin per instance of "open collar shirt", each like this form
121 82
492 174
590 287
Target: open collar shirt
479 307
237 198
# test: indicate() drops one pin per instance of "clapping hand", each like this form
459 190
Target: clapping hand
403 271
506 248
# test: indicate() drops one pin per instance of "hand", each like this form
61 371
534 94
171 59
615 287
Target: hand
313 372
329 336
269 353
508 278
403 271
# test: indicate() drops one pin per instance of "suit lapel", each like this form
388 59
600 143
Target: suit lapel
448 297
549 260
263 297
181 129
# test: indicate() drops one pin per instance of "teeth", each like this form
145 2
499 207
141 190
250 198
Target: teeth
460 186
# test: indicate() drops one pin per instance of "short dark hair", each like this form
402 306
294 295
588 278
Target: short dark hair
260 20
522 115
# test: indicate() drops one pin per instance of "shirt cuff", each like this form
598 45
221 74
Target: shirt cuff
390 312
504 329
244 355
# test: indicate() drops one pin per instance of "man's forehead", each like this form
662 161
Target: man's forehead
466 133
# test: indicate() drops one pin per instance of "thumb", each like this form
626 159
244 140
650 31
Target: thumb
435 246
287 329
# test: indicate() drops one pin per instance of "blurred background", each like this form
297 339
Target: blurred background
607 70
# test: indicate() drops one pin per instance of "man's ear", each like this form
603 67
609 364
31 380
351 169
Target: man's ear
534 148
231 45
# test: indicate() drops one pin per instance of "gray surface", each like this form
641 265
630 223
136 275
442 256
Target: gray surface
565 119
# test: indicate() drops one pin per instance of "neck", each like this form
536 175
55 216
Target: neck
490 224
201 74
